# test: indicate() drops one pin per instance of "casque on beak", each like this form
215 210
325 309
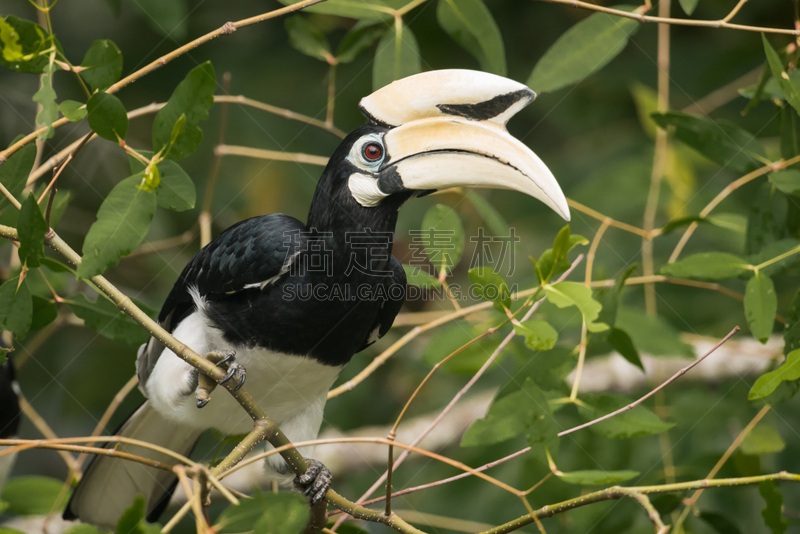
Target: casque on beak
452 133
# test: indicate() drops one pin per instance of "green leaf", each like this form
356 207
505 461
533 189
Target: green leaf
766 221
443 236
193 97
46 97
789 126
26 46
501 423
175 190
32 229
722 142
356 41
471 25
73 111
540 426
106 319
707 266
16 307
674 224
370 10
582 50
14 172
122 223
646 101
652 334
102 64
56 266
44 312
266 513
789 87
565 294
107 116
415 276
621 342
168 18
33 495
735 222
547 369
539 335
82 529
787 181
688 6
489 285
553 261
307 39
609 298
773 511
770 89
791 335
760 306
768 382
132 520
397 56
596 478
773 250
493 219
763 439
720 523
634 423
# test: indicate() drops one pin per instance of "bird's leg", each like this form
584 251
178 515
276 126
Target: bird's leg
226 360
315 482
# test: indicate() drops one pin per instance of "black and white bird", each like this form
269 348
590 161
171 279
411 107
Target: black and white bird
295 300
9 415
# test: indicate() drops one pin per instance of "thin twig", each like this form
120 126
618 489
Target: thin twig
659 158
614 492
42 426
730 188
205 214
735 445
648 395
227 29
297 157
667 20
600 217
129 386
163 244
467 386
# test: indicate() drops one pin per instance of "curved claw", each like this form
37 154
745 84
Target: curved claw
316 481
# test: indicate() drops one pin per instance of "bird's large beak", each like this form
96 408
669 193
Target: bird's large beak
448 130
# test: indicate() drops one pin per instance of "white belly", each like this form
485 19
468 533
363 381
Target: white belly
283 385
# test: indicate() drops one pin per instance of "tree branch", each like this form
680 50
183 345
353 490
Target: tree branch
227 29
653 392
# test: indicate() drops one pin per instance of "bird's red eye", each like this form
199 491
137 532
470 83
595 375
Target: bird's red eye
373 152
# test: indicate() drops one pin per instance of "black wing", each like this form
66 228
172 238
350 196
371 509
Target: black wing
245 255
396 292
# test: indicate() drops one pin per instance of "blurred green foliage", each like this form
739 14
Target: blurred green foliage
594 127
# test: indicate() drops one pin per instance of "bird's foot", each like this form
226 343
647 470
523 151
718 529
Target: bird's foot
315 482
226 360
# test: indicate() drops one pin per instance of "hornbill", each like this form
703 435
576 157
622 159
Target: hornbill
294 302
9 415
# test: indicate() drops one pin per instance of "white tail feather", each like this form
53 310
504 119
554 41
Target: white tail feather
110 485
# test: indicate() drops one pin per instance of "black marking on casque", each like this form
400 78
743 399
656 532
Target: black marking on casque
487 109
373 119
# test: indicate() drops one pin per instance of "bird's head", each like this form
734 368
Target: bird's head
438 130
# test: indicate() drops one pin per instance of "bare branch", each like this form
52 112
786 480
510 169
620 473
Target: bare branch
647 396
